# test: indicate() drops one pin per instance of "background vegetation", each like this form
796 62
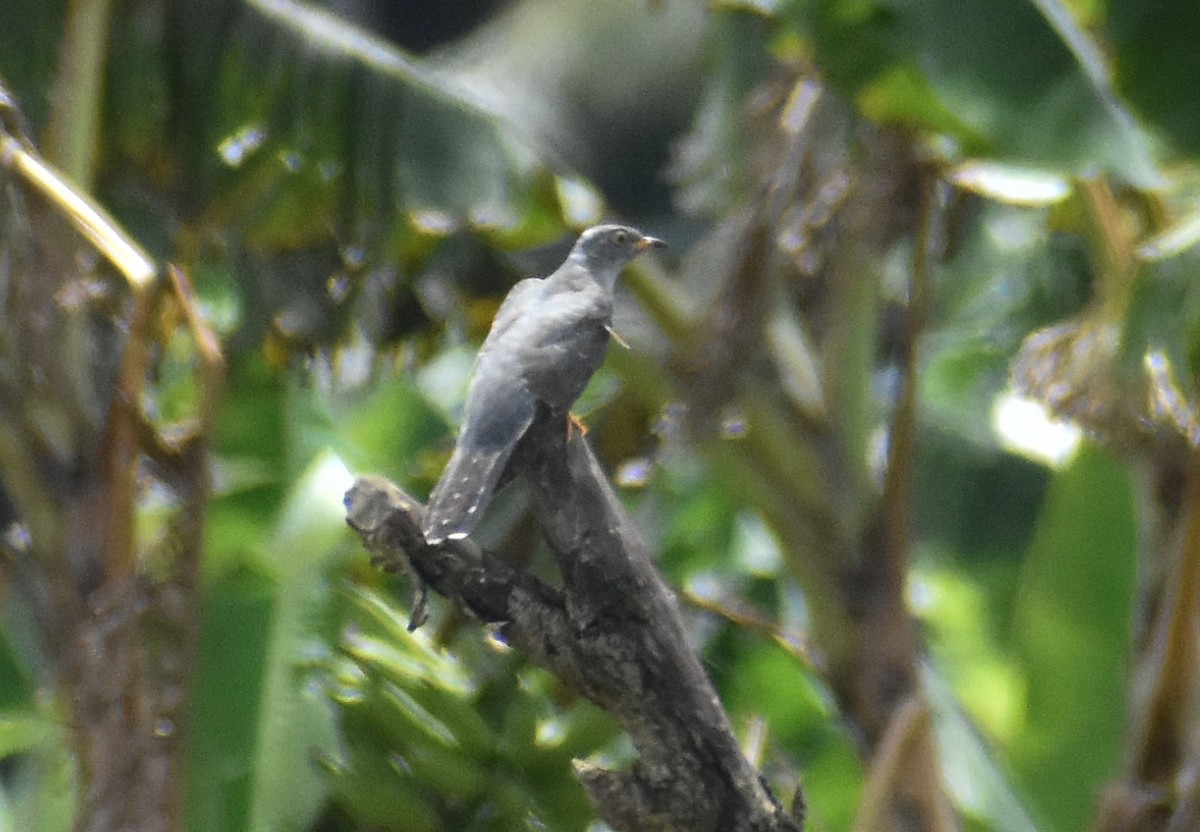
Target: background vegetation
884 214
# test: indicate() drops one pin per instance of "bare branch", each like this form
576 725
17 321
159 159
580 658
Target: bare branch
613 633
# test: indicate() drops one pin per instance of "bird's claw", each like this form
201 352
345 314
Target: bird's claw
420 609
575 427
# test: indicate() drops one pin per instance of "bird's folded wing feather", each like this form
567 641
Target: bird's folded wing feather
514 309
499 410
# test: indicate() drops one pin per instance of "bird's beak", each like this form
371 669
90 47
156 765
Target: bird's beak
649 242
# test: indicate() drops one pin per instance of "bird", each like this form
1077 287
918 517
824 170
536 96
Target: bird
548 338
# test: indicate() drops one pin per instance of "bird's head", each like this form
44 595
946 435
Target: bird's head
605 249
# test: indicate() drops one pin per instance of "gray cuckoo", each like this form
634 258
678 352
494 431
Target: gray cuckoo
548 338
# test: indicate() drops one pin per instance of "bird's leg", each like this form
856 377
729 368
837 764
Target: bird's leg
575 427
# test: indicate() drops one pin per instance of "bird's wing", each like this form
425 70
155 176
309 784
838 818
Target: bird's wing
515 307
499 410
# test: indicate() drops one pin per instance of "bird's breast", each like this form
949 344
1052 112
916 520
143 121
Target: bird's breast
559 366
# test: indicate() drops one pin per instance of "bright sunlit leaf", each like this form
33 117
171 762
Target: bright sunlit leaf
1024 426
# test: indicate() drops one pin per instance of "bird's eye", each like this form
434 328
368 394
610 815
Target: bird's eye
621 238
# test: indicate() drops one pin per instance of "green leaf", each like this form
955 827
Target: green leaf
16 685
389 428
295 724
972 773
1073 631
30 43
236 616
38 793
833 777
302 124
249 447
258 727
1156 58
21 732
1008 79
367 783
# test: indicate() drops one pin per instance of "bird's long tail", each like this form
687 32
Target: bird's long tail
461 496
